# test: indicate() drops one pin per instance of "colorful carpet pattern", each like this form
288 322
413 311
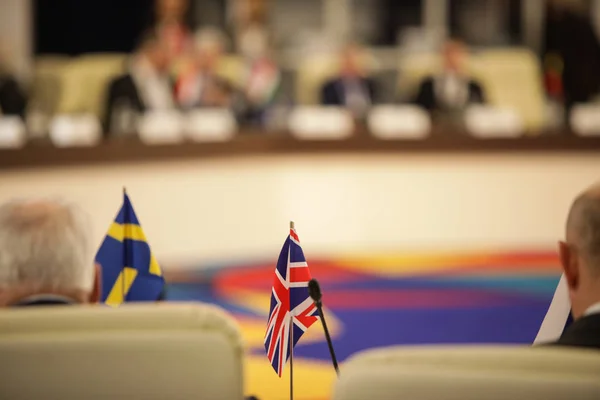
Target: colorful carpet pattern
376 301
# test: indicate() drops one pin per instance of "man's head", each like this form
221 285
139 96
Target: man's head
45 249
454 54
154 50
209 46
351 65
580 252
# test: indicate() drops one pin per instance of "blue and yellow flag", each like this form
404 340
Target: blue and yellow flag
129 270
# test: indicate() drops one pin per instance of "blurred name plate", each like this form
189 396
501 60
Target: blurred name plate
484 122
210 125
75 131
161 127
321 123
399 122
585 119
12 133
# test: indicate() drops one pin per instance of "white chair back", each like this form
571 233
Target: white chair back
470 373
585 119
76 130
13 134
399 122
161 127
155 351
321 123
487 122
210 125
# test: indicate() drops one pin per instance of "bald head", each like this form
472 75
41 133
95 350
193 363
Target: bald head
45 244
583 227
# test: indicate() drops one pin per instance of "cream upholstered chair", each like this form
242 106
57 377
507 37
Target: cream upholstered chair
85 81
413 69
470 372
312 74
150 351
46 83
513 78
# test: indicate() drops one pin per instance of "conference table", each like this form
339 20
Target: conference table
256 143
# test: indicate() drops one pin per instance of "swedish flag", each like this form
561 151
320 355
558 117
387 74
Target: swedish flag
129 270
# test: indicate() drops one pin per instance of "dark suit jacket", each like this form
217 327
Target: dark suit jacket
572 35
333 94
584 332
12 99
122 89
427 98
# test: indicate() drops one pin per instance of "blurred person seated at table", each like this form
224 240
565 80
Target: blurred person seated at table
145 87
171 26
262 83
13 100
45 255
452 90
570 35
580 259
352 88
200 85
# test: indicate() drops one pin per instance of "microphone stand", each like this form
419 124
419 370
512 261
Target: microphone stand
319 305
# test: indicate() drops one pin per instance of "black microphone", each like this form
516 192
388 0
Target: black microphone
314 290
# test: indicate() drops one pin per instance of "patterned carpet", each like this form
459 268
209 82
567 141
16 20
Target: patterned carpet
379 301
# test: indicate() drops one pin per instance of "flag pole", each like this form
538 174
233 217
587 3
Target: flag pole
123 276
291 344
291 357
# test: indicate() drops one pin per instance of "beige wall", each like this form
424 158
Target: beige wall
240 208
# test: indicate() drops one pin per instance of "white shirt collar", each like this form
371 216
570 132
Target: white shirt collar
452 89
153 87
593 309
141 67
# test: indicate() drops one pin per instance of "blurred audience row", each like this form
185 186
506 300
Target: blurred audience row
174 68
149 84
171 70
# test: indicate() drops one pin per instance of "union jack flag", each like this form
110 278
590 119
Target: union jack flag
290 301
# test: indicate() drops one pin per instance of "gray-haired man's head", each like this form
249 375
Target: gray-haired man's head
580 253
45 249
